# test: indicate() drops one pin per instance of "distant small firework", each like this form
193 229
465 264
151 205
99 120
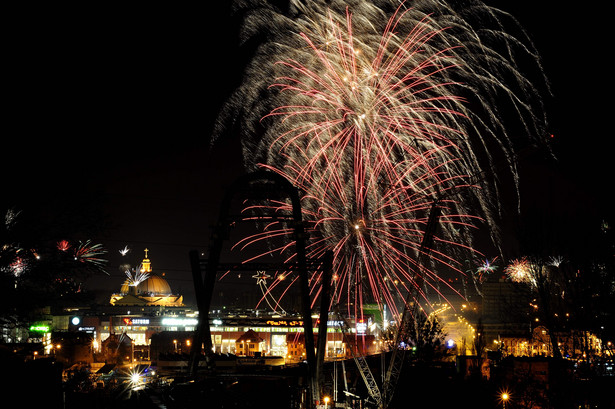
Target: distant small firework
556 261
63 245
604 226
485 267
482 268
18 266
86 252
519 271
10 217
136 276
19 260
124 251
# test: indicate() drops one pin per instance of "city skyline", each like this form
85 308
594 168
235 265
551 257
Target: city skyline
428 178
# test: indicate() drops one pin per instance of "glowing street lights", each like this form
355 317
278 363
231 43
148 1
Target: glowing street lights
504 398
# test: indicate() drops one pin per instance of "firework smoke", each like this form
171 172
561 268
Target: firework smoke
379 113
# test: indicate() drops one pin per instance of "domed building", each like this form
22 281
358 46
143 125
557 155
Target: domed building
146 289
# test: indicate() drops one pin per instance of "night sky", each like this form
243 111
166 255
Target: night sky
112 108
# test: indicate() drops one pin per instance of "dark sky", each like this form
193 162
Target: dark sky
114 106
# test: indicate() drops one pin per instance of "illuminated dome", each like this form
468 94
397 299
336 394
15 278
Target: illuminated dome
125 289
153 290
155 285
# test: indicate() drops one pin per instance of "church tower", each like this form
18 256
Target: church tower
146 264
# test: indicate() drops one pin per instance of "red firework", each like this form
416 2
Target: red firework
370 120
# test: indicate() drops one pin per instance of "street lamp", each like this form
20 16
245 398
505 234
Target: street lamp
504 399
326 399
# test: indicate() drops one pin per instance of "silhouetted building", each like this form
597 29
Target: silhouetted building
505 311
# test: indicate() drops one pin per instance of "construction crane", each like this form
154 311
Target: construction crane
366 373
382 398
397 355
204 287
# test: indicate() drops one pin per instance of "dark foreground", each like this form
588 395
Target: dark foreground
39 384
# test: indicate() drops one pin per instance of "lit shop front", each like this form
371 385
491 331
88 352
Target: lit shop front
280 336
273 332
140 329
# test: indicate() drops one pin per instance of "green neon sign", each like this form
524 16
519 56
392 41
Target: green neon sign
39 328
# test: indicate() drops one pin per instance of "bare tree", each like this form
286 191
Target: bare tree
544 281
424 336
479 339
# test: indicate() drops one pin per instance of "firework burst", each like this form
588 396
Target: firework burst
485 267
136 276
555 261
520 271
9 218
63 245
380 114
18 266
86 252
